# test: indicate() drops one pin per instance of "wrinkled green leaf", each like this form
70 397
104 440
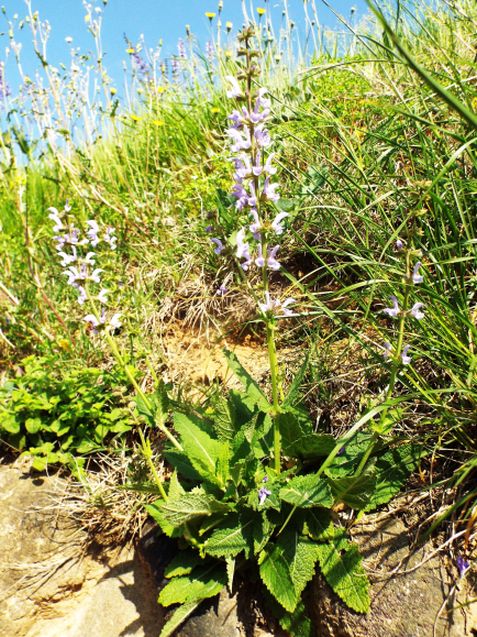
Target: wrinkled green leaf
287 566
307 491
341 565
252 389
356 492
391 471
203 582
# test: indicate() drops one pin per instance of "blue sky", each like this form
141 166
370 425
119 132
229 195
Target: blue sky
155 19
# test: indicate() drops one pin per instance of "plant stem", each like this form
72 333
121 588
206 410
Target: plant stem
273 361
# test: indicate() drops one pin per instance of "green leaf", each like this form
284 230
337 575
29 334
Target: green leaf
391 471
153 406
347 460
299 440
178 617
34 425
251 387
9 423
183 563
318 524
307 491
230 539
356 492
340 563
191 505
203 582
287 567
297 624
208 456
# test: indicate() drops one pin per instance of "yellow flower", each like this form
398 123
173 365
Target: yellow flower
210 15
474 103
135 118
130 50
260 11
228 25
161 89
158 122
214 109
228 53
113 90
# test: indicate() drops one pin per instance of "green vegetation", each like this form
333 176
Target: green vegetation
374 140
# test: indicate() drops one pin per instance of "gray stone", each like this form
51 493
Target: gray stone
408 600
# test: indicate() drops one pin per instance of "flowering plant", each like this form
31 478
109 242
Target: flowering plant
254 485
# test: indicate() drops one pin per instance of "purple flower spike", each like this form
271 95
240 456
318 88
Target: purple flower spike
393 311
416 311
263 494
462 565
404 356
219 245
416 277
399 245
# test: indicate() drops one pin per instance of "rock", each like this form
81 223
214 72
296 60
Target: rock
406 600
49 586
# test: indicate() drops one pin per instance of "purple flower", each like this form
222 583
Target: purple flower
82 296
243 249
92 232
277 225
219 245
284 306
273 305
94 323
236 119
103 296
241 139
272 263
404 356
416 311
262 136
55 217
263 494
416 277
110 237
462 565
393 311
268 168
209 229
399 245
221 291
256 226
259 261
115 322
270 190
67 259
